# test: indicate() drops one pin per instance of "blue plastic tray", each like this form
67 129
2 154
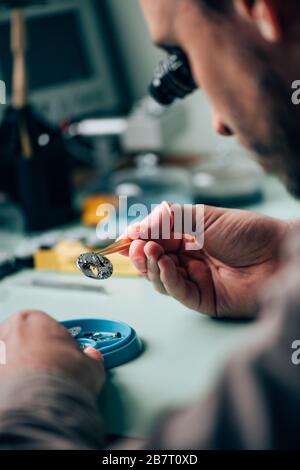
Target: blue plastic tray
116 351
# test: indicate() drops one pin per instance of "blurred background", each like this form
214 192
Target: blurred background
79 129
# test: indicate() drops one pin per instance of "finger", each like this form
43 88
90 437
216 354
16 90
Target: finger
183 273
175 259
95 369
153 252
150 227
133 232
176 286
157 226
201 275
137 255
94 354
160 220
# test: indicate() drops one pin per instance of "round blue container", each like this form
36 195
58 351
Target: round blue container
116 351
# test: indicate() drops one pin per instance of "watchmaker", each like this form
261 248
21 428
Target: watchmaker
245 55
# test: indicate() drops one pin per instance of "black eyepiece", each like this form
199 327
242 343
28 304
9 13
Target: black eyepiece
173 79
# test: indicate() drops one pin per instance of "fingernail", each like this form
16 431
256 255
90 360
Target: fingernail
139 262
95 353
147 251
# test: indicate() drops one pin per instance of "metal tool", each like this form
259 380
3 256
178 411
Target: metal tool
116 247
94 336
62 285
102 336
96 265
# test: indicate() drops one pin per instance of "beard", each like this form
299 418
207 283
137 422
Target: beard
280 152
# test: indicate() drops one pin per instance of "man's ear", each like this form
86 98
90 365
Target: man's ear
264 14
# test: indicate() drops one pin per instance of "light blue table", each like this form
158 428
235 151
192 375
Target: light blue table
184 351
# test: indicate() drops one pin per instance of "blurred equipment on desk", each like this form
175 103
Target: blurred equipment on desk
90 208
225 178
35 169
68 71
11 217
230 178
147 128
35 163
149 182
142 137
74 69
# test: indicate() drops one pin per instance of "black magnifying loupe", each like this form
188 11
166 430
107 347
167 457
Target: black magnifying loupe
173 79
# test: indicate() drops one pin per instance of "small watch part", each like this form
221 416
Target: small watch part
102 336
75 331
95 266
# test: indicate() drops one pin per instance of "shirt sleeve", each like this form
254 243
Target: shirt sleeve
46 411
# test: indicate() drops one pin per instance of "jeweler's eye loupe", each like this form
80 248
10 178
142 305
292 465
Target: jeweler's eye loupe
173 79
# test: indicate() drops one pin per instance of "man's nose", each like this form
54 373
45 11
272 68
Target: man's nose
220 127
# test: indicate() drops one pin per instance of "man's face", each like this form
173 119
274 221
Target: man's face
247 79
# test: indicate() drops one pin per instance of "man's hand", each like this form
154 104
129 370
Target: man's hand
223 279
36 342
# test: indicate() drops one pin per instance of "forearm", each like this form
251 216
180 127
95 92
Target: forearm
45 411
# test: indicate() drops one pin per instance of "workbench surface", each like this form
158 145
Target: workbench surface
184 351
